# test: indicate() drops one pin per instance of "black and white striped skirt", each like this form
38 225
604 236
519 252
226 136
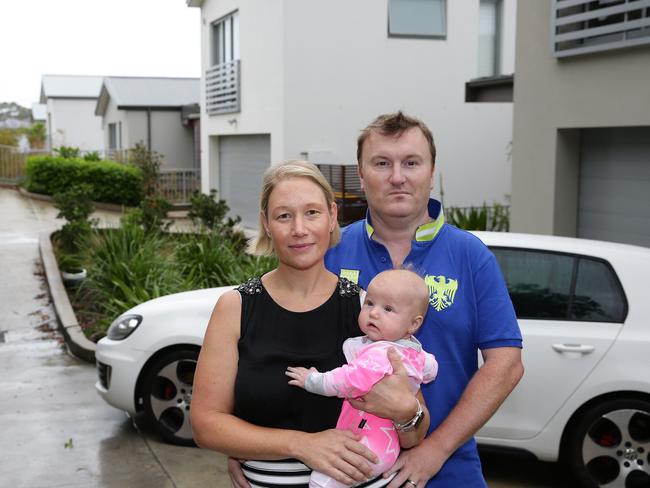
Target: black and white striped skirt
290 474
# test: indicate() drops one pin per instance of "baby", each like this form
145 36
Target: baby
393 310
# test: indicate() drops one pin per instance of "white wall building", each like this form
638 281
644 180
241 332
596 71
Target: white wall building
581 139
149 110
71 119
298 79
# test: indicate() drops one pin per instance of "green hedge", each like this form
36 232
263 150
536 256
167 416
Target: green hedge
111 182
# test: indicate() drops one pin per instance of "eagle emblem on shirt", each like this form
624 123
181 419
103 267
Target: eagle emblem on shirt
442 291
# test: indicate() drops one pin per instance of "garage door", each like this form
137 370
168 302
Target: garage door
242 161
614 200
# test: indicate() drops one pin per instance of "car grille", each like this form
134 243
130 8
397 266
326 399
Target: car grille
104 372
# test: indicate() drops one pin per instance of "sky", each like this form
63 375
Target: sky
94 37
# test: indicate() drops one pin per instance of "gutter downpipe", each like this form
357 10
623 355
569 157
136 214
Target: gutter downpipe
149 128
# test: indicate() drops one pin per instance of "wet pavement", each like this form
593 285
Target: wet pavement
56 432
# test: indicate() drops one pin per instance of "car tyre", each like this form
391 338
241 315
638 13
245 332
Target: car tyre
167 395
610 445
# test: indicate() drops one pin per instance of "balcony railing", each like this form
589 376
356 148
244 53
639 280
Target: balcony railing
586 26
222 91
178 185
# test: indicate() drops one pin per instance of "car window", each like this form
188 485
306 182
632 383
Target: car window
539 282
598 296
550 285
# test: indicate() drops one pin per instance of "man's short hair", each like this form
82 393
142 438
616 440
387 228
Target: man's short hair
395 124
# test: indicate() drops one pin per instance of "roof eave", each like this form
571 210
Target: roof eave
102 101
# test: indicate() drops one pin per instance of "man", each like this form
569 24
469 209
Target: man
470 309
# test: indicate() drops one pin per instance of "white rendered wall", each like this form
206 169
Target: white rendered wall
172 139
114 116
314 73
554 97
135 129
261 35
342 70
72 122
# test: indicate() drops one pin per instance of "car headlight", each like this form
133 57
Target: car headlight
122 327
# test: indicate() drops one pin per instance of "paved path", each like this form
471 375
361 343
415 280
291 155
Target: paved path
55 430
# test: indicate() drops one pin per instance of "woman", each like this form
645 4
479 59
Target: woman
299 313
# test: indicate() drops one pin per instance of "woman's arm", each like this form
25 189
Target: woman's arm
335 453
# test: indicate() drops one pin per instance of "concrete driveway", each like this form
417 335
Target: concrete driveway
57 432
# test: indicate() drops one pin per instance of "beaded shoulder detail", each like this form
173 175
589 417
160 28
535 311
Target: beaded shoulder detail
347 288
251 287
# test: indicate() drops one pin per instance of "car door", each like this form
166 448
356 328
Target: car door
570 310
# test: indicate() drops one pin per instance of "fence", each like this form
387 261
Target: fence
349 196
12 163
178 185
175 185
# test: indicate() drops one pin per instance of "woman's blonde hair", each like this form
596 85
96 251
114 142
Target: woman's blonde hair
262 245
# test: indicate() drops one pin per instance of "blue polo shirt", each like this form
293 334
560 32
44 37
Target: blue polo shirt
469 309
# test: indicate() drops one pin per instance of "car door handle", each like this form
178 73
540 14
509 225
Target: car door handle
581 348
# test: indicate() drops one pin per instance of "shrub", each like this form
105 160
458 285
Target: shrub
67 152
92 156
209 213
148 162
494 218
129 266
151 214
75 207
110 182
209 260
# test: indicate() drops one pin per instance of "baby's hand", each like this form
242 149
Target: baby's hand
299 375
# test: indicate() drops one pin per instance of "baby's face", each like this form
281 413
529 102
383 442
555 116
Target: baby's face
388 311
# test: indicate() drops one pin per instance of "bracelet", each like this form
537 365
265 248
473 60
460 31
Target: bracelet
413 423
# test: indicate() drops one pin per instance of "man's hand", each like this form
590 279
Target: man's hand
299 375
419 464
236 474
390 398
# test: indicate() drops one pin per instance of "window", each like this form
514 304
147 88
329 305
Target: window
417 18
112 136
598 295
547 285
225 39
489 38
539 283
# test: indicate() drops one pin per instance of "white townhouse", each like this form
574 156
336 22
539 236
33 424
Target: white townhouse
286 79
581 138
157 112
70 104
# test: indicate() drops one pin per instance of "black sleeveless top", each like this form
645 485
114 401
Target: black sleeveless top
273 338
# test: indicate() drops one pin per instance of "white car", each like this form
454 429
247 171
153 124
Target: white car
584 311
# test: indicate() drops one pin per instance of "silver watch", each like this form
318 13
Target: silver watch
413 423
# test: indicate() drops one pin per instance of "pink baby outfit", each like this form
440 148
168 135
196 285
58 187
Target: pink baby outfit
367 364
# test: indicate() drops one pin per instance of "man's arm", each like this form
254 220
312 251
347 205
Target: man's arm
489 387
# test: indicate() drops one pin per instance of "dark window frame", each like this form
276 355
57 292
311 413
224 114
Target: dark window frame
574 278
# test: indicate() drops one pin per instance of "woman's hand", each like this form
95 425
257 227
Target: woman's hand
299 375
236 474
338 454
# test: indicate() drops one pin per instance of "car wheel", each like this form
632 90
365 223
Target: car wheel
610 445
167 395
